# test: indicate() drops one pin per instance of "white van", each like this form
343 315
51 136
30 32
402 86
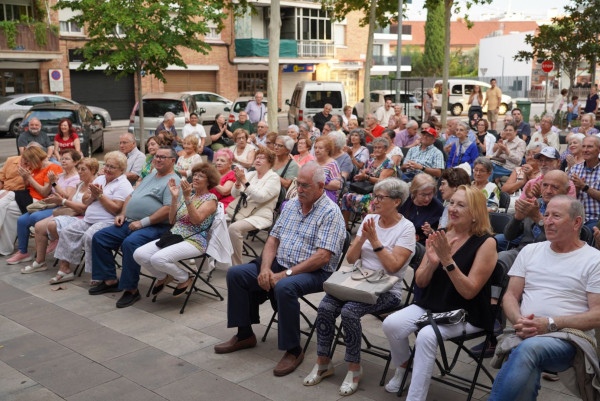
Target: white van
310 97
459 91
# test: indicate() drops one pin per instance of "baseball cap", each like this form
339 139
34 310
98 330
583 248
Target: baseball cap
430 131
549 151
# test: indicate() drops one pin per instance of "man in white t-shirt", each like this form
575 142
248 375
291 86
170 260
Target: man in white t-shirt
384 113
553 285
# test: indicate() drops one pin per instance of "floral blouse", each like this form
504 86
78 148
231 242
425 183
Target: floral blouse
192 233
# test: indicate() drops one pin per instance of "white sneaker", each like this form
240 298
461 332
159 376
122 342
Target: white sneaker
394 384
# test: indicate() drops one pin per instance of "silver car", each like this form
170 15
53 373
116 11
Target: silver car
14 107
213 104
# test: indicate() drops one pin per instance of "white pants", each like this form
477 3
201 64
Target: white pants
9 213
237 231
160 262
398 326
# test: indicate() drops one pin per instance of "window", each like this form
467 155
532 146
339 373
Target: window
339 34
14 10
250 82
457 90
213 32
312 24
318 99
66 25
70 27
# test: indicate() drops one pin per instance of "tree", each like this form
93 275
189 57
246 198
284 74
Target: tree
567 41
143 37
273 75
433 56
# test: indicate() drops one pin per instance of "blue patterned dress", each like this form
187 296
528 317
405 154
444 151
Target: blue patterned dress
195 234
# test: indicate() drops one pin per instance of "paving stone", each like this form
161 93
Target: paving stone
28 308
102 344
206 386
12 381
177 339
119 389
151 367
34 393
9 293
10 329
61 324
30 349
70 374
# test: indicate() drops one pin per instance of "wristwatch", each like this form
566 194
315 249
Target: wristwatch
289 272
585 188
552 326
450 267
54 184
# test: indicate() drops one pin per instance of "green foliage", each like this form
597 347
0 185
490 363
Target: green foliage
152 33
464 64
568 40
387 10
10 33
40 32
433 57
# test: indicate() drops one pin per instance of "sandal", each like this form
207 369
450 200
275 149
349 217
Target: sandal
62 277
179 291
34 267
349 386
158 288
314 377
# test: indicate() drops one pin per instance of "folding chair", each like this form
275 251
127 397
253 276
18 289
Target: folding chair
311 325
504 202
499 282
371 348
587 235
499 221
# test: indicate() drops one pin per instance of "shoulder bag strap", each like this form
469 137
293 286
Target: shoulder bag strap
286 168
436 330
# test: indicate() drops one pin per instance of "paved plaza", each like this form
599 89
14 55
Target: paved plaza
69 345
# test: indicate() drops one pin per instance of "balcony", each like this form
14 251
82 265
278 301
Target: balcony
390 60
26 43
260 48
315 48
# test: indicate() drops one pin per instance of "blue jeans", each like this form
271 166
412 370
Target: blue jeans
28 220
498 172
571 117
519 378
502 244
112 238
591 224
242 282
208 152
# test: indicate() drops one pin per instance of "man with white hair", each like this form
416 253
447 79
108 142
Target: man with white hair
168 124
546 135
586 177
33 134
408 137
337 121
290 266
135 158
256 109
322 117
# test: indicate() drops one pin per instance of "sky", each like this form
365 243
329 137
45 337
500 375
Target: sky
537 9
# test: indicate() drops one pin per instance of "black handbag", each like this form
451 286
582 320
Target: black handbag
361 187
23 199
168 239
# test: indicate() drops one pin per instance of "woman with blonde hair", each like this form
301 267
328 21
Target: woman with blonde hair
243 153
333 178
454 274
189 156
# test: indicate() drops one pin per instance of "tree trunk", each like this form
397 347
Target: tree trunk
138 76
446 72
369 59
273 78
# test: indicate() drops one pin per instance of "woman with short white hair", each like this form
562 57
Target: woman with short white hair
284 165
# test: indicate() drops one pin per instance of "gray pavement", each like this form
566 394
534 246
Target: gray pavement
68 345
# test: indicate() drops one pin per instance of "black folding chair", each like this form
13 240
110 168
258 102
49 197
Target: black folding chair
371 348
499 282
310 323
504 201
587 235
499 221
254 234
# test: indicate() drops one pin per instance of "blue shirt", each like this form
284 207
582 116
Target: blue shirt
462 155
300 235
524 129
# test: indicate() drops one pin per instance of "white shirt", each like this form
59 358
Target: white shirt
556 284
118 189
197 130
402 234
383 115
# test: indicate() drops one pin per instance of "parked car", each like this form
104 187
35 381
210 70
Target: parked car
310 97
14 107
410 105
240 104
212 103
86 125
459 91
156 105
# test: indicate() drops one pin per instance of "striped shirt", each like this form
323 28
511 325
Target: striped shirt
591 176
300 236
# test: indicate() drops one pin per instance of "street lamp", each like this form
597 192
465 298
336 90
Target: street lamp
502 57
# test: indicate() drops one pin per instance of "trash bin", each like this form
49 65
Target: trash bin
525 106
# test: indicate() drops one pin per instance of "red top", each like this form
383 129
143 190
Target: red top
377 131
225 200
66 144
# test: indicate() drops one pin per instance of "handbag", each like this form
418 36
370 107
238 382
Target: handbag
64 211
359 285
23 199
361 187
39 205
227 141
292 190
168 239
451 317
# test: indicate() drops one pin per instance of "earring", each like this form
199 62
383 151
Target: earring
473 220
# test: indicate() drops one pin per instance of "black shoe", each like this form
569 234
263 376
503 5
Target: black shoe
103 288
128 299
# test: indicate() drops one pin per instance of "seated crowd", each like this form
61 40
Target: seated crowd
405 186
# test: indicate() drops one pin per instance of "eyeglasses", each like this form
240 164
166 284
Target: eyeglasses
162 157
425 195
278 145
380 198
125 142
303 185
110 167
198 175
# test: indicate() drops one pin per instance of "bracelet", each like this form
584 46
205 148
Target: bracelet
379 249
145 222
100 196
64 201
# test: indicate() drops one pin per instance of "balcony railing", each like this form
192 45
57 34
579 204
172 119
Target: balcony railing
25 40
314 48
390 60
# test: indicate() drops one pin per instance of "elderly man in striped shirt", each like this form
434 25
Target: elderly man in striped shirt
302 251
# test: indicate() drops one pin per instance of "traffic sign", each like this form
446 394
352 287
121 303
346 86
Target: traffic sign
547 66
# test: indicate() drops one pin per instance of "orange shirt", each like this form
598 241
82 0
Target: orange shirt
9 174
41 177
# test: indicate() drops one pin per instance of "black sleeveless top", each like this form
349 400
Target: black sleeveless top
441 296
